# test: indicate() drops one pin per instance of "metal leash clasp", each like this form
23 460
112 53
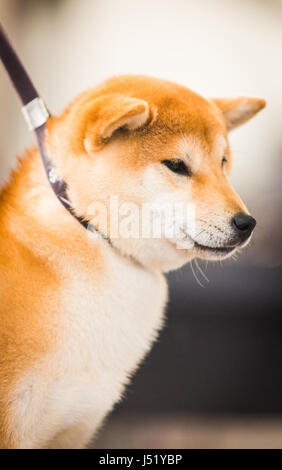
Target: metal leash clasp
35 113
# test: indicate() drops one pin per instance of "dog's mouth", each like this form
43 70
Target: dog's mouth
206 250
215 249
188 243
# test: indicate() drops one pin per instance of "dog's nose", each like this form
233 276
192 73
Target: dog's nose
244 224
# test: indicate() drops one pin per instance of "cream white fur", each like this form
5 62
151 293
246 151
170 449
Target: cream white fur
105 331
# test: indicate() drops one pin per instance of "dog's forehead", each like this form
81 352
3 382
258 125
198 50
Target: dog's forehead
194 119
194 129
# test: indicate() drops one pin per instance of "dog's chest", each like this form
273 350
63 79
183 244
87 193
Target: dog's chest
107 327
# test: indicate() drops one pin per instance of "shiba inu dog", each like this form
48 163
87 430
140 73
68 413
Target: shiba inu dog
79 312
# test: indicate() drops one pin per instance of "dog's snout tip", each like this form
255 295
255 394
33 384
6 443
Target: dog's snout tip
243 224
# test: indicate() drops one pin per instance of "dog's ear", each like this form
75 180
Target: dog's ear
237 111
107 114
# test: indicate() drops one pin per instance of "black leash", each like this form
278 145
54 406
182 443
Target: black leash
36 114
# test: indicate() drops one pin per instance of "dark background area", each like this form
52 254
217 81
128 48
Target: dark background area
214 377
221 348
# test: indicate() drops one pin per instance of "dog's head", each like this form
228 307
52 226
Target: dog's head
136 146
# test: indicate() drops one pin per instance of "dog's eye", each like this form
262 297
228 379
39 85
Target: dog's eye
223 161
177 166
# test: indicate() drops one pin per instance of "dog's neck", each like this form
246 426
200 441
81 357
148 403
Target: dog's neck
30 205
36 217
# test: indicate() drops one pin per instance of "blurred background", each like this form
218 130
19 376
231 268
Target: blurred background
214 378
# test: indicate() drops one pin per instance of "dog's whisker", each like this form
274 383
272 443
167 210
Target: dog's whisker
201 271
194 274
